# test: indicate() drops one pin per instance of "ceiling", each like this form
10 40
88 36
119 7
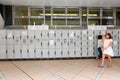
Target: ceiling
84 3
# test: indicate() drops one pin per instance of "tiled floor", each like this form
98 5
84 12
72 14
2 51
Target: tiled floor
80 69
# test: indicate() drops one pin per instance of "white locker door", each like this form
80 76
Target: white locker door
58 53
71 41
51 53
84 52
10 37
17 54
71 53
78 52
31 54
45 53
116 51
78 38
2 37
51 34
25 52
103 32
38 54
110 31
65 34
115 35
90 52
45 34
3 52
65 53
58 43
38 39
10 54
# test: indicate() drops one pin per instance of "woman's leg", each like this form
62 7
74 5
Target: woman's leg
110 60
103 60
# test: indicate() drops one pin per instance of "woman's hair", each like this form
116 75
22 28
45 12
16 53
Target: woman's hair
110 37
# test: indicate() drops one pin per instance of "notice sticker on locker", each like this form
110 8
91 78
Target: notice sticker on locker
52 42
115 43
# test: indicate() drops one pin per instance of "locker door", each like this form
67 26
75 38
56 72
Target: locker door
58 53
116 51
71 42
110 31
84 38
2 44
38 39
10 54
10 45
51 53
115 35
3 52
84 52
78 38
31 43
58 40
17 44
38 53
90 52
24 41
65 53
78 52
71 53
103 32
17 50
45 53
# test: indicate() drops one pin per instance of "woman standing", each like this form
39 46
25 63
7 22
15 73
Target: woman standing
107 49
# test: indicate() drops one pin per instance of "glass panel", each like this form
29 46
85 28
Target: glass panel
59 12
73 12
73 21
48 16
36 21
118 17
36 12
107 12
94 22
94 12
21 11
21 21
107 21
59 22
84 17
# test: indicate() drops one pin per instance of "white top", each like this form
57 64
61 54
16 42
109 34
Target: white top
99 42
109 50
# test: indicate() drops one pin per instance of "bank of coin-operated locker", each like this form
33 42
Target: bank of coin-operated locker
3 44
58 53
84 43
38 44
115 42
31 44
10 45
17 44
24 40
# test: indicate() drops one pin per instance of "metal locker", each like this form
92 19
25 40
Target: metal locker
71 44
51 34
17 44
119 51
90 52
78 52
109 31
78 38
38 40
45 53
51 53
24 36
58 43
84 43
90 43
31 54
84 52
65 34
10 50
10 37
116 51
58 34
58 53
3 52
71 53
31 39
45 34
65 53
45 44
2 44
103 32
64 43
90 33
115 34
52 44
38 53
17 52
2 37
